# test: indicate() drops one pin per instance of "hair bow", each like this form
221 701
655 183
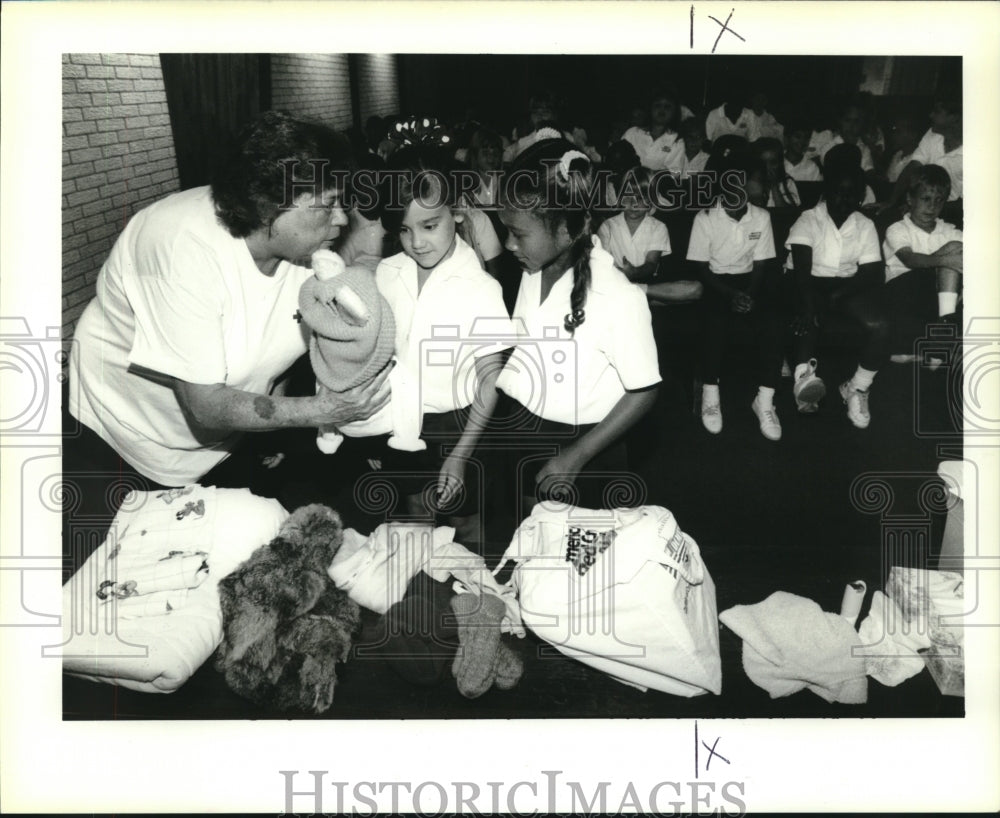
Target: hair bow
419 131
565 161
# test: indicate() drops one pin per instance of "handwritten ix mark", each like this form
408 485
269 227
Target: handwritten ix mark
723 28
712 752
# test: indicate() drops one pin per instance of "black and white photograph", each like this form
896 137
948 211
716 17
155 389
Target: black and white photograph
500 407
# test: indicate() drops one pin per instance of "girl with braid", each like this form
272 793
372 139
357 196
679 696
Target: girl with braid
584 369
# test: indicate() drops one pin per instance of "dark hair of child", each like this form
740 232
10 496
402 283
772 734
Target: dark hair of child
559 194
930 176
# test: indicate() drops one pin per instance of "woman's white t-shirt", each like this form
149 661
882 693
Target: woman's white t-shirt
577 379
181 297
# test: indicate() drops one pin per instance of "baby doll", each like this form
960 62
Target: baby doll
353 337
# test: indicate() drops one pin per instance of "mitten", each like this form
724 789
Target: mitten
478 619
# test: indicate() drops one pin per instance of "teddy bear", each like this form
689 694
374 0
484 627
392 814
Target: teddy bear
285 624
353 338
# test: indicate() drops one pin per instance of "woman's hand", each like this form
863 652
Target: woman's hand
451 481
556 478
338 408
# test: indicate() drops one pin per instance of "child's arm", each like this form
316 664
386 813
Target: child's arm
802 270
646 271
949 255
566 465
452 474
674 292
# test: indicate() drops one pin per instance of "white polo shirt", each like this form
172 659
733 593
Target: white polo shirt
731 247
805 171
931 151
905 233
457 317
696 164
180 296
836 253
578 378
665 152
768 126
617 239
718 124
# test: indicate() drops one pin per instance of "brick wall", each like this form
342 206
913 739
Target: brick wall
313 86
118 150
378 85
118 157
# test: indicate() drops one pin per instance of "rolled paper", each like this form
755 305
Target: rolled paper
854 595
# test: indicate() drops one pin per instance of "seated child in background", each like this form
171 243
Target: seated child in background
923 257
903 139
692 131
768 127
733 246
634 238
838 268
798 164
941 145
484 155
848 132
781 189
732 117
659 145
848 156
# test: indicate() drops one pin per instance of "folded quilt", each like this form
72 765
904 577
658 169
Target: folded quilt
159 619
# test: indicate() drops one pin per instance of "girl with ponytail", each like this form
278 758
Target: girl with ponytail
584 369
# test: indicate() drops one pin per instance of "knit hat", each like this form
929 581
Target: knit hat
354 333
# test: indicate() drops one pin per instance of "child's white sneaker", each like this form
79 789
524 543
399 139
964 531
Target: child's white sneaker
770 426
857 405
711 417
809 389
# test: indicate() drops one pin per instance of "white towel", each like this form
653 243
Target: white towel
790 643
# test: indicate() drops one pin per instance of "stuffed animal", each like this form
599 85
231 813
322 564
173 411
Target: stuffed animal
285 624
353 338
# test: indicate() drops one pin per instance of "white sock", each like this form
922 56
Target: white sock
765 397
800 370
862 379
947 302
710 394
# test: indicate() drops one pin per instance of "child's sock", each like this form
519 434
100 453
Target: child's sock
862 379
801 369
710 394
947 303
765 397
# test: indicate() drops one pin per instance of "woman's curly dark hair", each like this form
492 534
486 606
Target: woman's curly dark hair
272 161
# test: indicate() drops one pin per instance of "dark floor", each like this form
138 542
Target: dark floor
822 507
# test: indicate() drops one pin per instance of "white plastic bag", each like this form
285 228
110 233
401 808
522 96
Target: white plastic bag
624 591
